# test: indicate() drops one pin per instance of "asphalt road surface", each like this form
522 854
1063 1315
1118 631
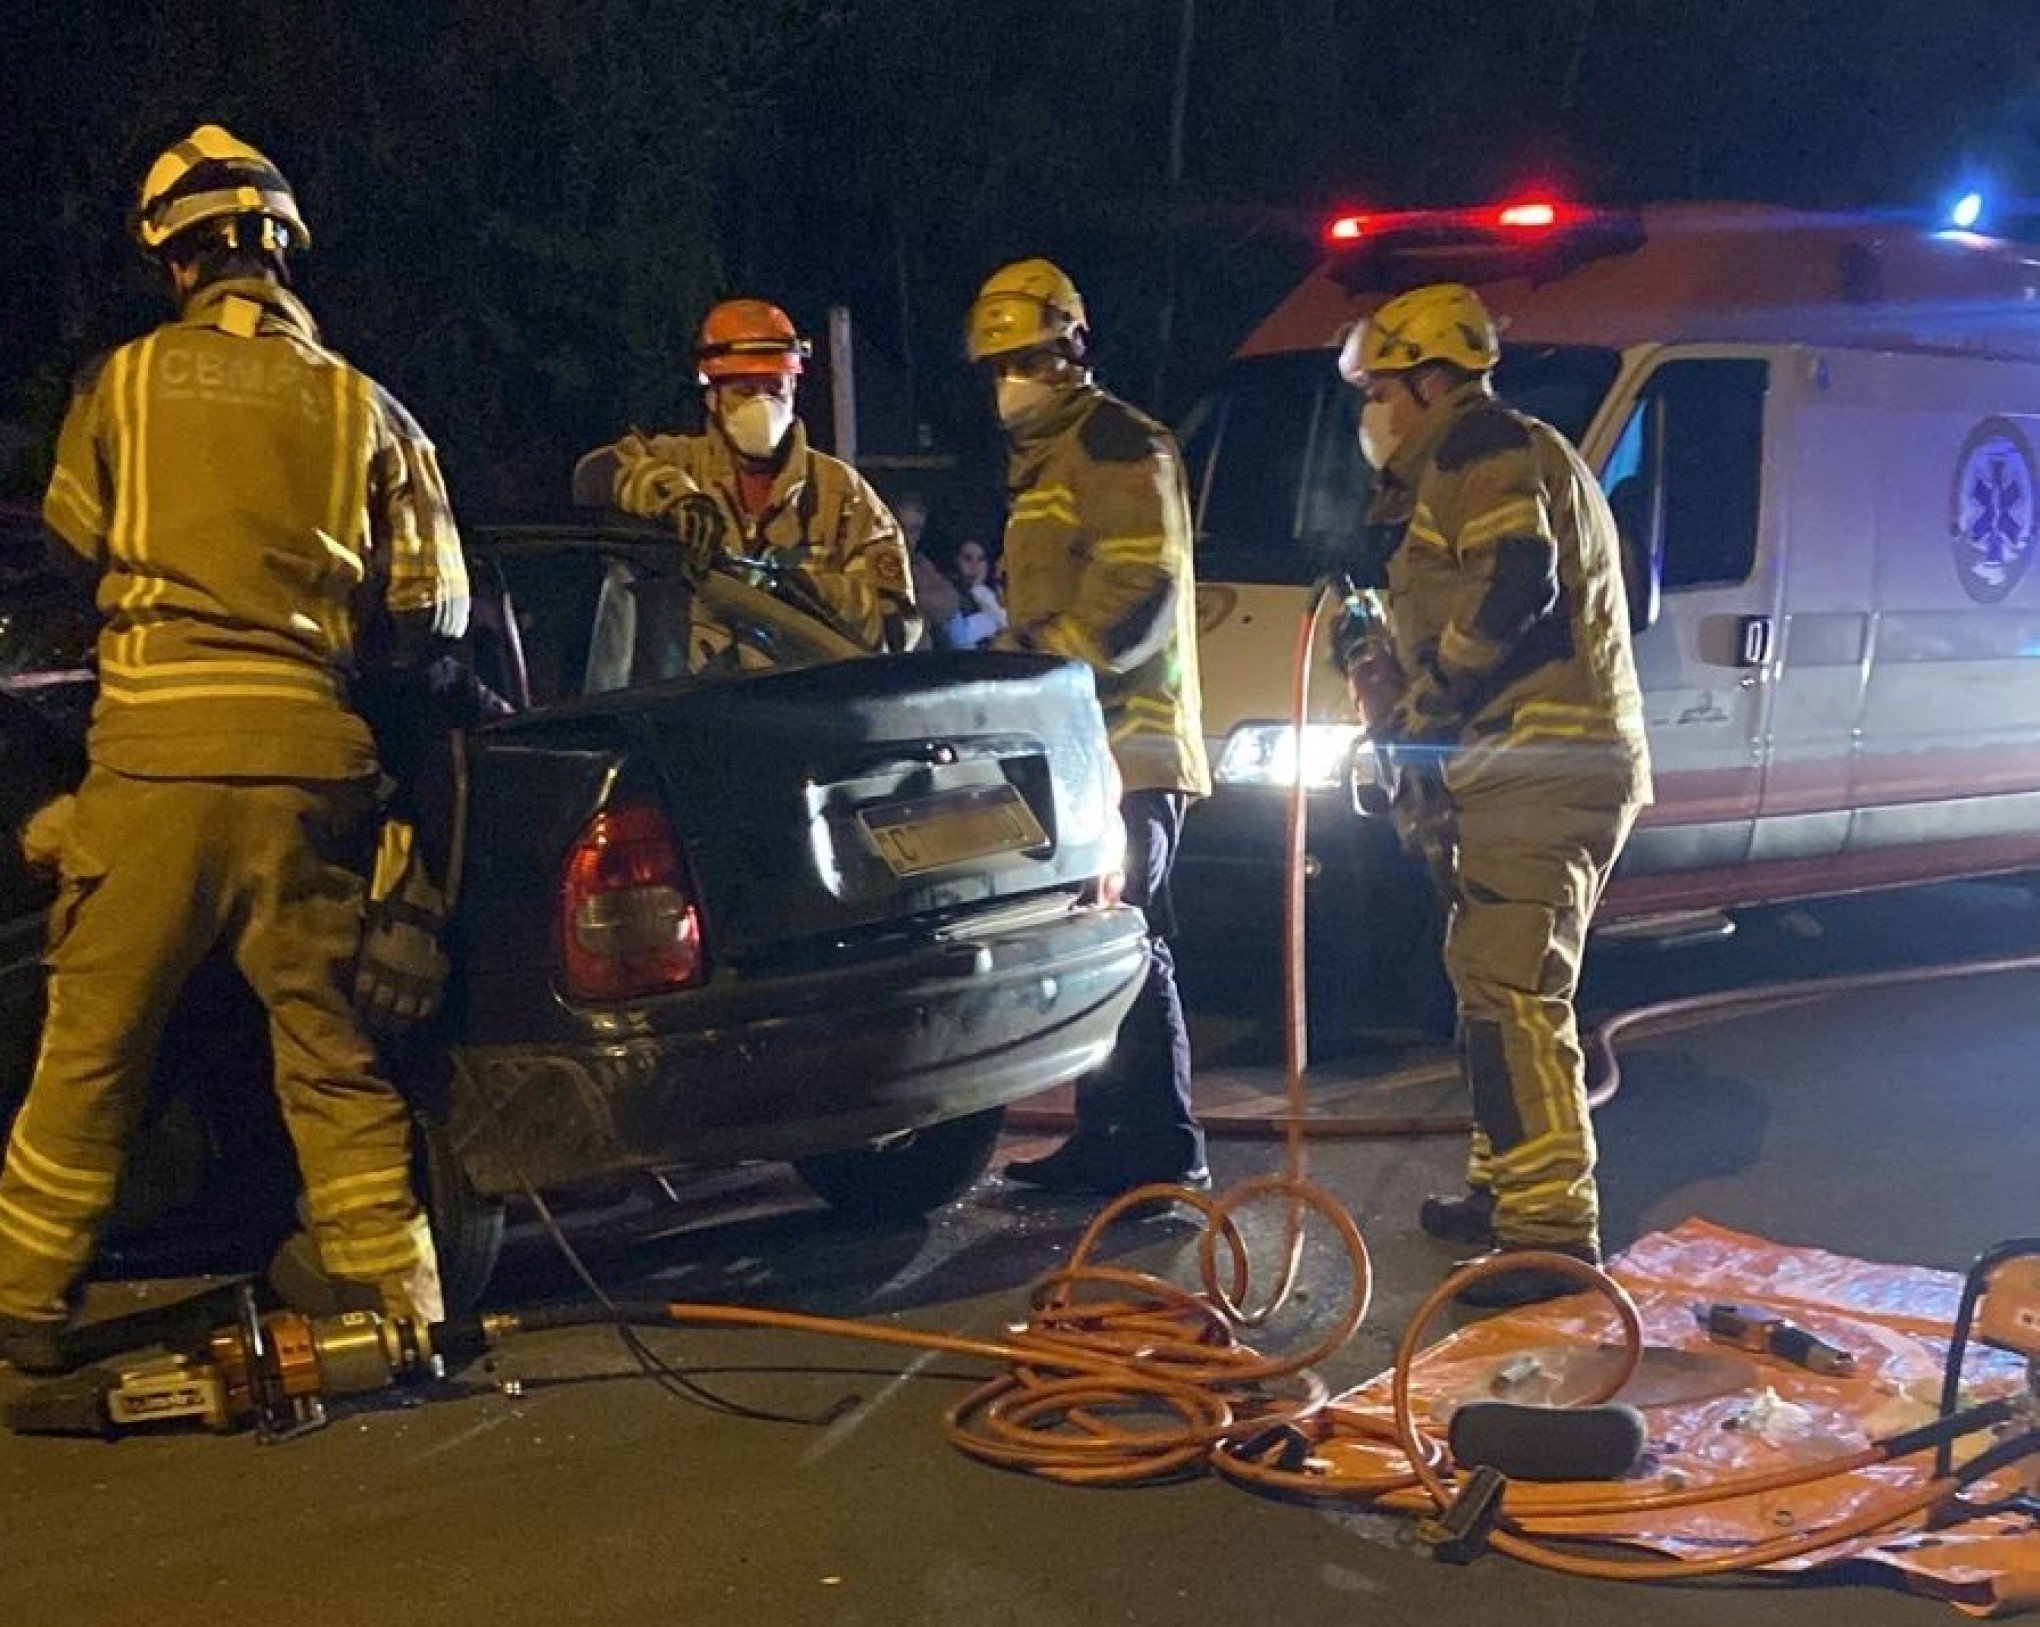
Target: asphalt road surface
552 1485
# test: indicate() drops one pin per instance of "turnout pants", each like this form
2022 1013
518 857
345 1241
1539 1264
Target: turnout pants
1527 868
155 873
1141 1097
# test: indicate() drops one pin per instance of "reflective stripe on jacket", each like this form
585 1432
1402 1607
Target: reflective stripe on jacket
252 502
1506 601
1098 568
821 516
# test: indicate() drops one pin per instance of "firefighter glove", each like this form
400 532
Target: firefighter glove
42 837
400 973
699 527
1426 708
1354 629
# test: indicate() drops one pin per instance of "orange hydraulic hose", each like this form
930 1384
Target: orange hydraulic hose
1120 1377
1295 998
1513 1537
1150 1383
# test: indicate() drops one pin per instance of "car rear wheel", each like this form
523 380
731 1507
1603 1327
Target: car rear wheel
906 1177
467 1228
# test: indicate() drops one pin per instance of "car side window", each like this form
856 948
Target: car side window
589 621
1691 453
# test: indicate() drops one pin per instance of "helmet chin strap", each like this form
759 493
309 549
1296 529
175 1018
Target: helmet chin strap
1414 384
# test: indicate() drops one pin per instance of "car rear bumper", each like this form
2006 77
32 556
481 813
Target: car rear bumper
804 1064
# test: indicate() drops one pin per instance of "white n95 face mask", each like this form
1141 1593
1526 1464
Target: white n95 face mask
1377 440
1021 400
757 426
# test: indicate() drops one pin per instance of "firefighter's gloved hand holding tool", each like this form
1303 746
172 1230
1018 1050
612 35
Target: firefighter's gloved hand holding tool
1358 625
1374 679
1361 651
42 837
400 974
698 527
1424 709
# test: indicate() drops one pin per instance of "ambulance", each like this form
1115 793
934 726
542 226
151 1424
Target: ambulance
1818 436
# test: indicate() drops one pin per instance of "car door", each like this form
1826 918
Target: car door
46 689
36 762
1684 469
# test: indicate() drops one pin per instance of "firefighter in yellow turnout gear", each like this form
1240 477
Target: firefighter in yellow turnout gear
250 504
751 484
1098 570
1519 728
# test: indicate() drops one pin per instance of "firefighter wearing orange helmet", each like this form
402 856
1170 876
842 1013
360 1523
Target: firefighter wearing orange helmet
1519 728
751 484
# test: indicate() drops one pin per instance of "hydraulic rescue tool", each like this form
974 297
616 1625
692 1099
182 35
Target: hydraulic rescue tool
274 1370
1766 1332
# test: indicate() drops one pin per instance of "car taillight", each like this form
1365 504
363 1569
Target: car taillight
628 923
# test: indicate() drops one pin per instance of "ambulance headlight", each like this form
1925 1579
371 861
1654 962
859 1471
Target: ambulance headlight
1265 754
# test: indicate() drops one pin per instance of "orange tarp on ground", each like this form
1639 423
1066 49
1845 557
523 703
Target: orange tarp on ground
1895 1320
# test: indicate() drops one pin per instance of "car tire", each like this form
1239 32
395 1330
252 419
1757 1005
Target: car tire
904 1178
467 1227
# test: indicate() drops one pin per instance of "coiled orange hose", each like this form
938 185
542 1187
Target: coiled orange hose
1120 1377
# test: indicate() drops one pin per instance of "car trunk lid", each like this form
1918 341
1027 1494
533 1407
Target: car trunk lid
824 803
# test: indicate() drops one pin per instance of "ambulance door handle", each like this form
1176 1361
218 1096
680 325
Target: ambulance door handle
1753 644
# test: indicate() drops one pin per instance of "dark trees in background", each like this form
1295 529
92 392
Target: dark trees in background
521 206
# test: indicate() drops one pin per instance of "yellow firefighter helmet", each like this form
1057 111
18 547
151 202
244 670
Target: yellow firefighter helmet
1441 322
1024 305
211 175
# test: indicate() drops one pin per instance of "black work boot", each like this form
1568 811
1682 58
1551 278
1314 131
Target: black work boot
36 1347
1468 1218
1094 1165
1528 1285
1075 1168
1172 1156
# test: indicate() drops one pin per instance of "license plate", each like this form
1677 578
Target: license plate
931 834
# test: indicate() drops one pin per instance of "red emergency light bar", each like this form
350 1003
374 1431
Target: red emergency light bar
1536 237
1527 215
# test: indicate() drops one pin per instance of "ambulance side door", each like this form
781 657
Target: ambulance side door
1823 499
1683 460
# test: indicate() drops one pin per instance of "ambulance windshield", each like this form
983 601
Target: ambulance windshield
1275 471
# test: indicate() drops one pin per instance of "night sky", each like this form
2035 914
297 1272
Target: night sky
521 208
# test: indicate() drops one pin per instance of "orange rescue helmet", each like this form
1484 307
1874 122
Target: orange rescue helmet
746 338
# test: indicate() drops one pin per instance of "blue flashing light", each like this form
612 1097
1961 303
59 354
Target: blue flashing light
1967 212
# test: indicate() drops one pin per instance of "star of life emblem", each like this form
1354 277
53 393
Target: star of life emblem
1991 521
